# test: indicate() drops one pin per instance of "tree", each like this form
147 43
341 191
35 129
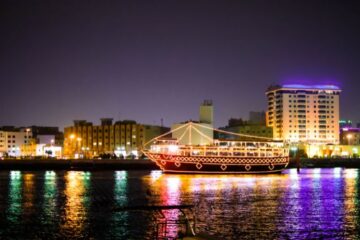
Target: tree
48 152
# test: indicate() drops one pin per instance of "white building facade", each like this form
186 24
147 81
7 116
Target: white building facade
11 141
304 113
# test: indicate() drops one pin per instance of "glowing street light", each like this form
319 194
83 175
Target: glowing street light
349 137
294 149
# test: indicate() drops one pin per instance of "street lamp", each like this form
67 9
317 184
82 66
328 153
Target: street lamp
85 151
294 149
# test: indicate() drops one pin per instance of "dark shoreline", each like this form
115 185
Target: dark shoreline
113 164
325 163
77 164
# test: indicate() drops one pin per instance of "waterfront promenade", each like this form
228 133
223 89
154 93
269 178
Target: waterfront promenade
136 164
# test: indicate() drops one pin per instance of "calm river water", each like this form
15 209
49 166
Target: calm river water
315 204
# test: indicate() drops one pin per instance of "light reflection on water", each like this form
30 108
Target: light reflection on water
49 195
75 214
313 204
14 197
120 199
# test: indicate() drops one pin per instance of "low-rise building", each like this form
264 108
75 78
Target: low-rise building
33 149
11 140
350 136
122 138
25 141
248 131
46 135
332 151
257 118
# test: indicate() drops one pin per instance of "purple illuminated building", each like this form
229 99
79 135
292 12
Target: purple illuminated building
350 136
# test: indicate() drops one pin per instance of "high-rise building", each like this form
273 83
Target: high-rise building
304 113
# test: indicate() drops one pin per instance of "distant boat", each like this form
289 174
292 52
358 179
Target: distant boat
221 156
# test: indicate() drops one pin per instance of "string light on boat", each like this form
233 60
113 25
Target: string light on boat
195 152
173 148
155 148
169 153
271 166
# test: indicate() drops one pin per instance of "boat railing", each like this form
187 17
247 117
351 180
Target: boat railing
232 151
221 151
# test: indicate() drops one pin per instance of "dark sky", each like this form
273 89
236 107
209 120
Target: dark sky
147 60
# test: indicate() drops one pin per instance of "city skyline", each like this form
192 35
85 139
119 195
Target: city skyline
151 61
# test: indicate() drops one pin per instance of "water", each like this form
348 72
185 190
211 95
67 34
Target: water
316 204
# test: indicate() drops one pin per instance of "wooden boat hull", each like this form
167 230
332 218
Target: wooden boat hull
209 164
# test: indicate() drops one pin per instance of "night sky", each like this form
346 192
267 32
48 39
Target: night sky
147 60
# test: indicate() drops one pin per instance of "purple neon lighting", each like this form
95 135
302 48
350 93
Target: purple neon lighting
303 86
350 129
